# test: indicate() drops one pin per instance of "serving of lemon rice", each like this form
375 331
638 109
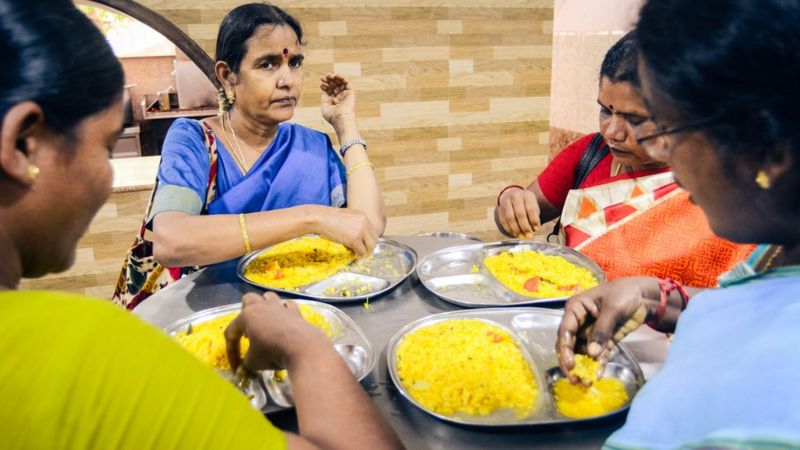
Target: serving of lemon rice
537 275
579 401
298 262
466 366
207 339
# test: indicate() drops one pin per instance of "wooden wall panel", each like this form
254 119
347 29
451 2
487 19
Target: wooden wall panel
453 98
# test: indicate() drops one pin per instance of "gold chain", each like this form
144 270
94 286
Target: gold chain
236 152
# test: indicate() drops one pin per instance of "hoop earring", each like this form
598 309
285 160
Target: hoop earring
762 180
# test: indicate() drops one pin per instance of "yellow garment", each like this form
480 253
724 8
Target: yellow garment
79 373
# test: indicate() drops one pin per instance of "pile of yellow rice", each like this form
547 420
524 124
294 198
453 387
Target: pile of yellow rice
298 262
207 339
466 366
579 401
554 276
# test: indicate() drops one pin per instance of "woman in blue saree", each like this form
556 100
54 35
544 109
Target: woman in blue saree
271 180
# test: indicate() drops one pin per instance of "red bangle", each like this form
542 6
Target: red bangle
510 186
666 286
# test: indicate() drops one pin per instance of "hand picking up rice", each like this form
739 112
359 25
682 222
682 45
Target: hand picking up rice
578 401
533 274
466 366
298 262
207 339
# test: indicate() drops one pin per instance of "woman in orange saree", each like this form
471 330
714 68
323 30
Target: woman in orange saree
618 206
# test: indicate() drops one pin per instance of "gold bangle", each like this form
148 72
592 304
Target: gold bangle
245 238
358 166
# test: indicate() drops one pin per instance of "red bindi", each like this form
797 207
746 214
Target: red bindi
286 52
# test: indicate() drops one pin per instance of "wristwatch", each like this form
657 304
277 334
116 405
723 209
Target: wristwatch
351 143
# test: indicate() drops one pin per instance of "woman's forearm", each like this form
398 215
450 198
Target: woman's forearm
363 192
180 239
317 396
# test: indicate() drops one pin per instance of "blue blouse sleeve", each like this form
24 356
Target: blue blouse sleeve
183 173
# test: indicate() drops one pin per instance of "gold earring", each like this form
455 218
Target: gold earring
222 102
762 180
33 172
225 101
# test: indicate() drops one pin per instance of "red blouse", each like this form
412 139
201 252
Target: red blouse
558 177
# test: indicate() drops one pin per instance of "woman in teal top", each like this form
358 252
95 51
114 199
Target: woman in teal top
71 376
721 81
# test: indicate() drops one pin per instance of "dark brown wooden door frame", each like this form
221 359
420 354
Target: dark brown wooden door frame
169 30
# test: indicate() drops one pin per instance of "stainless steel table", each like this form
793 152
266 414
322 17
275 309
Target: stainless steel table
219 285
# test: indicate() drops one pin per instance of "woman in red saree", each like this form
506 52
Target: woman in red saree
617 205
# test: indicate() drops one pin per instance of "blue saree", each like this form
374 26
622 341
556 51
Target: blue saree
299 167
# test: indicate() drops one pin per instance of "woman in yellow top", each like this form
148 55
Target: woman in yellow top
71 376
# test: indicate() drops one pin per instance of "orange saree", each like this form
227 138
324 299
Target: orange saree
647 226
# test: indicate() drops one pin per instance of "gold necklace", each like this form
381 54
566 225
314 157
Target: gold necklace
236 151
615 171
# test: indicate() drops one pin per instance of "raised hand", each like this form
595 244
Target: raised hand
338 99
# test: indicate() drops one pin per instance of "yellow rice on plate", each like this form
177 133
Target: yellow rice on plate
601 397
207 339
298 262
466 366
533 274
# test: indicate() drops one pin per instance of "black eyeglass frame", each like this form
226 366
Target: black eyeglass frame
681 128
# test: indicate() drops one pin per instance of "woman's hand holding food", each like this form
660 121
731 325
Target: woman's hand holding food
596 320
338 100
349 227
278 334
518 213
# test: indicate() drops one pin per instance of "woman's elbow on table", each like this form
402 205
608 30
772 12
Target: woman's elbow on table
379 222
170 246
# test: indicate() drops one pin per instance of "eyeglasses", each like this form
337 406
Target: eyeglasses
653 137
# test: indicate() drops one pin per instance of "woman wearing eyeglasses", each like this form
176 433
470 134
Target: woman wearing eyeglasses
618 205
721 82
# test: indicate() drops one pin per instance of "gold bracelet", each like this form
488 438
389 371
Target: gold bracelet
245 238
358 166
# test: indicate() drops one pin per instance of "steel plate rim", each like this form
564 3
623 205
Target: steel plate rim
391 352
176 326
246 259
523 302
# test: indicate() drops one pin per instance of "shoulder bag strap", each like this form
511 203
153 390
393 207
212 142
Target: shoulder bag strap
595 152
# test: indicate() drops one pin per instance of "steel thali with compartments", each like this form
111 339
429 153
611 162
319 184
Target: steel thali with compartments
458 274
534 330
389 265
266 391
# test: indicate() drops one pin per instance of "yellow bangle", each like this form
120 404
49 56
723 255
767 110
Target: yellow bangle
245 238
358 166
